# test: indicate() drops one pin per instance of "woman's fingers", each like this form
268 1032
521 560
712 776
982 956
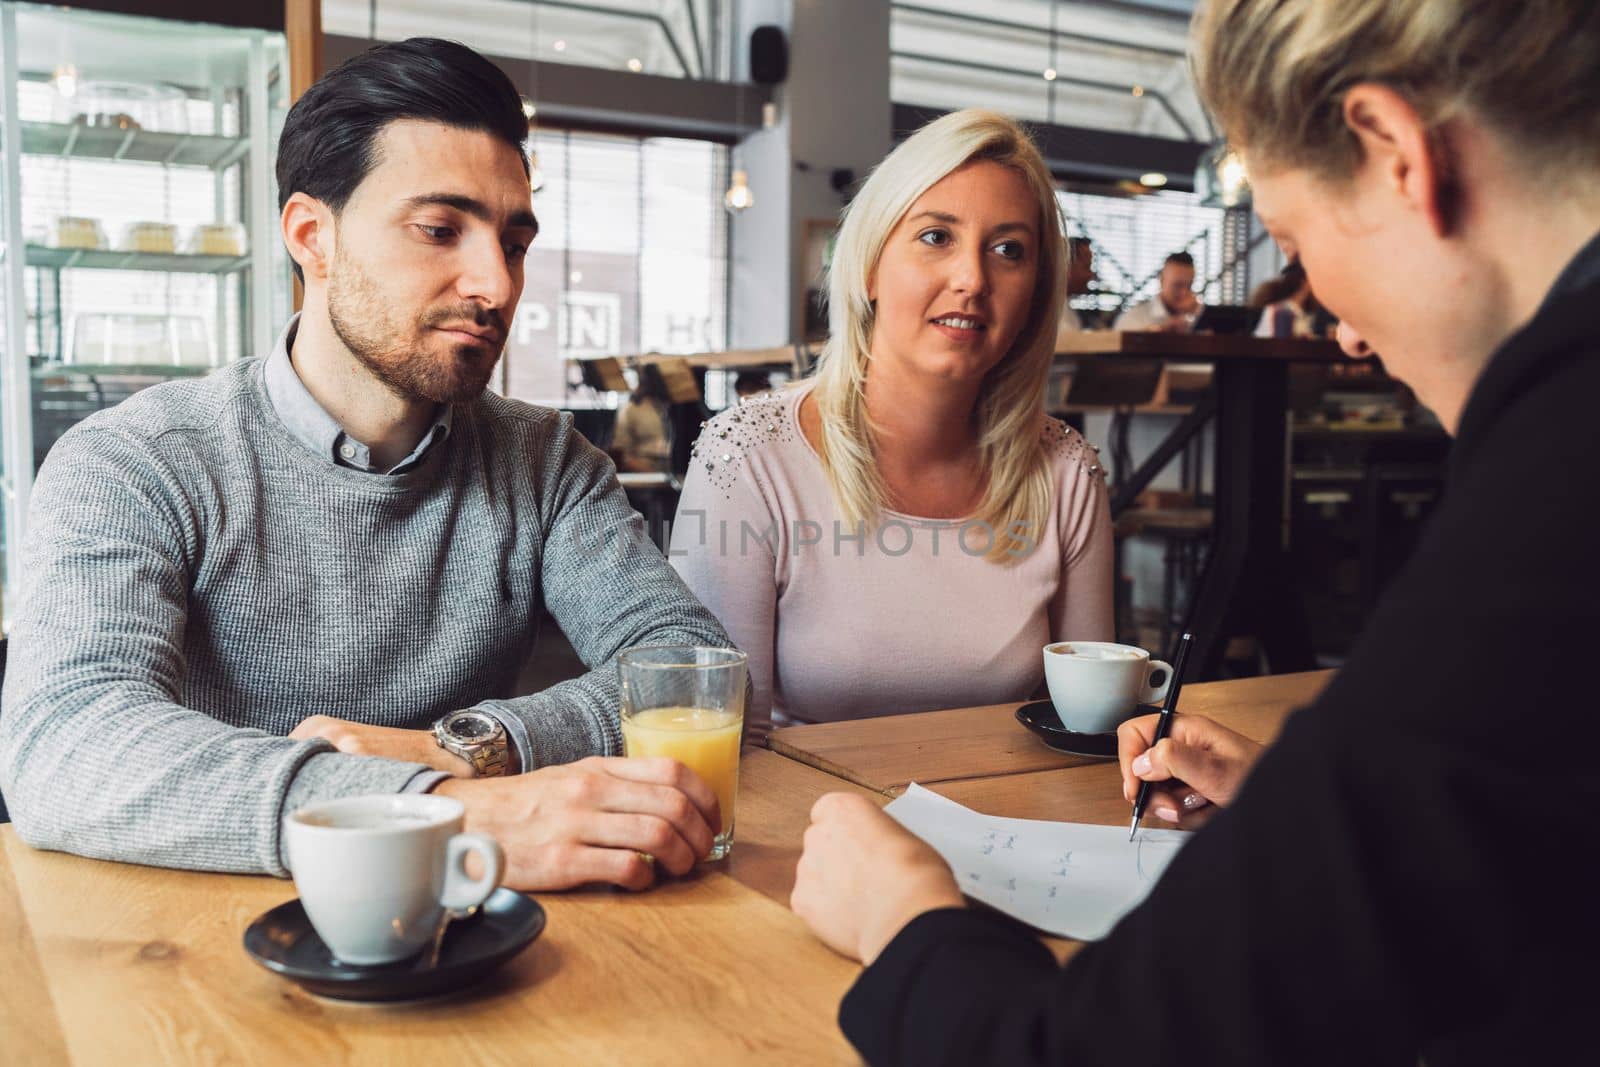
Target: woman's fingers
1210 758
1200 768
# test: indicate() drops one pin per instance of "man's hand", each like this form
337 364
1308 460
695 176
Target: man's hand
1199 762
863 877
589 821
408 746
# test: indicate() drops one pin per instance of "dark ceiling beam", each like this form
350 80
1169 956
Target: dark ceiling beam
251 14
593 98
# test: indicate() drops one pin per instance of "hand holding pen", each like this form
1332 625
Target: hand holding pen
1200 765
1163 726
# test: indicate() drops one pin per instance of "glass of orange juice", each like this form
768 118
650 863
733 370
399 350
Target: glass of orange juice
686 702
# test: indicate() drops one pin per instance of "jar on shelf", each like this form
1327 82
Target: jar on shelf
217 239
78 231
150 237
128 106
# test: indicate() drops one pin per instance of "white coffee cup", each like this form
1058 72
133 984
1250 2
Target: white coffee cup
1095 685
376 872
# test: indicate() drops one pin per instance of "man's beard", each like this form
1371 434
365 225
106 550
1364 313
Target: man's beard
360 319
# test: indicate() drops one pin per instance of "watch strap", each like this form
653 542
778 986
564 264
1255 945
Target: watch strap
489 758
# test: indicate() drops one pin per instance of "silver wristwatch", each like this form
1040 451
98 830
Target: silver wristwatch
477 737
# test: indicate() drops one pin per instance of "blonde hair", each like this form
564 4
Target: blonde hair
1275 72
1011 397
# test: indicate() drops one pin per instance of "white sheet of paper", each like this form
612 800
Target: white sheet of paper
1066 878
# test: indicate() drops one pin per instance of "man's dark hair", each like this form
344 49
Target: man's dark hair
652 385
1076 246
326 148
1182 259
752 381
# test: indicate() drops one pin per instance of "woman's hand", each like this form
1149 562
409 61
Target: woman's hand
863 877
1199 762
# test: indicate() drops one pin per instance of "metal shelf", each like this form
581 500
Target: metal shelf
121 370
104 259
77 141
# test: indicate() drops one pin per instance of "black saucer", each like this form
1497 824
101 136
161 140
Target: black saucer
1041 718
283 941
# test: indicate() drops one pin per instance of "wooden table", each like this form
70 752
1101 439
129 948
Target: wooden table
120 964
886 754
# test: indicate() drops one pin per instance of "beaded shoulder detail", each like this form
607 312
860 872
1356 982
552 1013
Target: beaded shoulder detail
1063 442
725 439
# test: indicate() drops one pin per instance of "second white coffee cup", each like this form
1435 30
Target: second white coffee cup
1096 685
375 872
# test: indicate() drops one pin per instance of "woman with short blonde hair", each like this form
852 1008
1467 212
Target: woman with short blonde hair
916 476
1386 884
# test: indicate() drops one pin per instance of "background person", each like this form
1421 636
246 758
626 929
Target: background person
642 440
1175 306
1389 882
1081 277
931 529
751 383
1287 307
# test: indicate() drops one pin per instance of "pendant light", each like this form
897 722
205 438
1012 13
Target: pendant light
1221 178
738 198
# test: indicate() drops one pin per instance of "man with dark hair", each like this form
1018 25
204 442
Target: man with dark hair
749 383
317 572
1174 307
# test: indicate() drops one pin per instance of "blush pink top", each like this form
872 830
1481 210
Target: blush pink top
844 623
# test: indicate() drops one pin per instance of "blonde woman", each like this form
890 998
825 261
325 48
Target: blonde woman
908 530
1397 880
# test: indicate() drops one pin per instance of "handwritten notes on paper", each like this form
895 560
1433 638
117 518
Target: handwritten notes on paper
1066 878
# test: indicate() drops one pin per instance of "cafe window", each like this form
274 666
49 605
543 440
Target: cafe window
631 257
1132 237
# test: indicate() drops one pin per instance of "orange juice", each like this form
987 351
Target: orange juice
706 740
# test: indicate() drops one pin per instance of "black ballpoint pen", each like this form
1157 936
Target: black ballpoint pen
1163 725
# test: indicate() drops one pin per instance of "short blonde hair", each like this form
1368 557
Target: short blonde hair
1275 72
1011 398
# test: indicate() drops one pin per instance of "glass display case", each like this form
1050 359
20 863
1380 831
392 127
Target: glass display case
137 216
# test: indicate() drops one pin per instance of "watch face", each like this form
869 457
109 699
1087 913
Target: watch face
470 728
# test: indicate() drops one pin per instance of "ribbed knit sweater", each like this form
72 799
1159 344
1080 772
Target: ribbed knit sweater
197 581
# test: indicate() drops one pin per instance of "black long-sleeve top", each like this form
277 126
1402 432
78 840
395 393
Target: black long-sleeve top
1405 876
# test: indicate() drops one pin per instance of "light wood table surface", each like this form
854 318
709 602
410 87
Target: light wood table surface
121 964
886 754
115 963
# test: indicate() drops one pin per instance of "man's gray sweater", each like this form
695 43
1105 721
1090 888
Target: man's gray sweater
197 581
